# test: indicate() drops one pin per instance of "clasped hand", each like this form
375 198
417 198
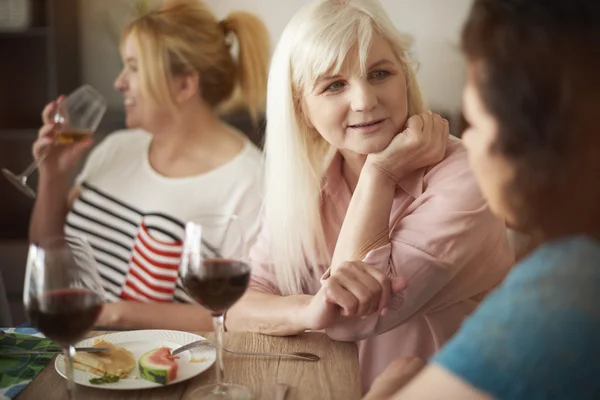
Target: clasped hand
352 289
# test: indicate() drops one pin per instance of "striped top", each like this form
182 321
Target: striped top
134 218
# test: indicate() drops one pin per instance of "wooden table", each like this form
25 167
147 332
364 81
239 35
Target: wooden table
335 376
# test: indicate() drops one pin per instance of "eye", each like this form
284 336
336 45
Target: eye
379 75
335 86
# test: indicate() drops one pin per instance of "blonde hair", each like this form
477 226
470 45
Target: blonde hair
183 37
316 41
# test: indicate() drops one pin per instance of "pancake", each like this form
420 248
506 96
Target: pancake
116 361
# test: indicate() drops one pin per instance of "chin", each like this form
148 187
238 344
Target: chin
371 146
131 123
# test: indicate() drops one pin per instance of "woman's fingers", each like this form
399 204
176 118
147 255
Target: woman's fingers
47 131
361 289
427 118
40 147
398 284
47 113
340 296
51 108
367 297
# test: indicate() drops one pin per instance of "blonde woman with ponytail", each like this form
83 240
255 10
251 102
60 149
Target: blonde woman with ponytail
375 230
177 160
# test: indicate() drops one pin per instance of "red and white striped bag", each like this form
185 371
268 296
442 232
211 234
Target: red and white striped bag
153 269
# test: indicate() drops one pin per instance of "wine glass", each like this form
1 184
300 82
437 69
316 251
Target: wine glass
63 293
214 274
76 118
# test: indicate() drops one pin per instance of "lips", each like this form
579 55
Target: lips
366 124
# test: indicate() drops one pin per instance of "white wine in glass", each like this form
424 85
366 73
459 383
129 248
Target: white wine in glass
76 119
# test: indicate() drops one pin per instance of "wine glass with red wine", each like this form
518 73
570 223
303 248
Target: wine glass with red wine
215 274
63 293
76 119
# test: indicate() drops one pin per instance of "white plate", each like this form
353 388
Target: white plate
139 343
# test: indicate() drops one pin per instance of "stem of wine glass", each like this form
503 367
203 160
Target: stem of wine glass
218 325
69 352
29 170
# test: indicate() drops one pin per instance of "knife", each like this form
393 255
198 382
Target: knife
50 351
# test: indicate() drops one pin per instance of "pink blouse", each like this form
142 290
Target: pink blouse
443 239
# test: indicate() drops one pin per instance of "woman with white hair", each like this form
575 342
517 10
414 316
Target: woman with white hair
374 228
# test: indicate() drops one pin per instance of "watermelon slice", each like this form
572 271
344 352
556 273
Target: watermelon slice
158 366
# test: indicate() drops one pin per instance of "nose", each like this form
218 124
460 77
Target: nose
121 82
363 97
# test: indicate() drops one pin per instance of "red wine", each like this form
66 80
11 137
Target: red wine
65 315
217 284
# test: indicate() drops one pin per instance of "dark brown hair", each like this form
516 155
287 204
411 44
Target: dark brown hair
536 64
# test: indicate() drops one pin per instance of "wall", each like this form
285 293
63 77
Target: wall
434 24
101 24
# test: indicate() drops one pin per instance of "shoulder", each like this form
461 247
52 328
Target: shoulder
542 323
251 155
455 164
448 185
249 163
560 278
563 274
452 179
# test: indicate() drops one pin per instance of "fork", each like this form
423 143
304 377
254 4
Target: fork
206 342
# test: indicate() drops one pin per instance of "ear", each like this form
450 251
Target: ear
184 87
304 114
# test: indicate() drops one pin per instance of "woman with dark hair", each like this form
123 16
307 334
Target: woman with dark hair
534 145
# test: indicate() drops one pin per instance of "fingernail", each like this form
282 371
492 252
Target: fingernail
445 120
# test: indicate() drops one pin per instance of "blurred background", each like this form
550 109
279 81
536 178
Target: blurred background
49 47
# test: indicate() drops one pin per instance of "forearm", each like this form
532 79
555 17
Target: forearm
396 375
50 209
366 225
268 314
134 315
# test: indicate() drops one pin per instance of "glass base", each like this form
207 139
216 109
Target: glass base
223 391
18 182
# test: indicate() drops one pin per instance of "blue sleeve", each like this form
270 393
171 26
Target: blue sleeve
538 335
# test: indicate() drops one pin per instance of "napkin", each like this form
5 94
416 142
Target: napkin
17 371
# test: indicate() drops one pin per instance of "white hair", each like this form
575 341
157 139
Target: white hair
316 41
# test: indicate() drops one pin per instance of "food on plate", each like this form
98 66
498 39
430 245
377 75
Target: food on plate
105 379
158 366
116 361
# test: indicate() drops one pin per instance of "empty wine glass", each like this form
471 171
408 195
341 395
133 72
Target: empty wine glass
63 293
214 274
76 119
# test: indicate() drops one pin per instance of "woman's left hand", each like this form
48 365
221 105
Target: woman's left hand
360 289
422 143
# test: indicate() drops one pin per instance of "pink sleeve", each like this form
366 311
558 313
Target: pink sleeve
262 275
449 235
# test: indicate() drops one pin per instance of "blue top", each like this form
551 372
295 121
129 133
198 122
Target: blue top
538 335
